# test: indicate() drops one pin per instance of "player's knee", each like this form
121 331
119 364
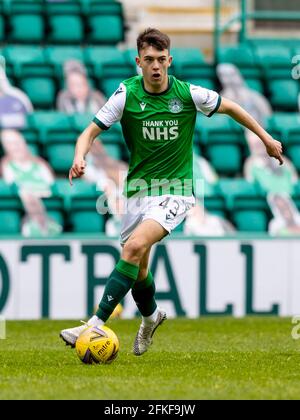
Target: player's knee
134 250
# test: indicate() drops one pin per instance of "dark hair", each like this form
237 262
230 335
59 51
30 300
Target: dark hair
155 38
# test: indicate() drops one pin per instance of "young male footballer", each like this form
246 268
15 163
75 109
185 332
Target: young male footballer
157 113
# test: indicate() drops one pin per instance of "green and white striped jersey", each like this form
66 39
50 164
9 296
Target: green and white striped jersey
158 130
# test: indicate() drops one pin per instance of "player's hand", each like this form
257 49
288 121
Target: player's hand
77 170
274 149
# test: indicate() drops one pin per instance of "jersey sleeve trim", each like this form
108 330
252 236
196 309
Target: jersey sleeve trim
100 124
217 107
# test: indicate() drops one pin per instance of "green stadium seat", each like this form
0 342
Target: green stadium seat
81 121
250 214
80 189
276 63
230 188
248 209
24 55
105 7
50 125
113 75
32 139
63 7
112 140
24 6
41 91
10 210
55 209
97 57
58 137
243 57
223 141
60 155
58 55
198 74
26 27
66 29
286 128
106 29
284 94
80 203
215 204
2 28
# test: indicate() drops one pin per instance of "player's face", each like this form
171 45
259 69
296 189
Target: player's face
154 65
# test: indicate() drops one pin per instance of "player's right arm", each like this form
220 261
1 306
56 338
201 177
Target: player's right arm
109 114
83 146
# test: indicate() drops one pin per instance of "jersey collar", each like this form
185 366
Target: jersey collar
161 93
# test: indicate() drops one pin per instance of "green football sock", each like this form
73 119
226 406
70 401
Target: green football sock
143 293
119 283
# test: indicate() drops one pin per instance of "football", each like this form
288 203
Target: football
97 345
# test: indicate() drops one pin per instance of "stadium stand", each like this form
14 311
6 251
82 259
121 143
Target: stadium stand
37 38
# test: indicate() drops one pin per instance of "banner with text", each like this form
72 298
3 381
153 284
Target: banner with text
65 278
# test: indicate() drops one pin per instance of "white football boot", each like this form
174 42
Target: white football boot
143 339
70 335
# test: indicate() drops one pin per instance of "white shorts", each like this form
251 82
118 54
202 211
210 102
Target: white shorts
168 210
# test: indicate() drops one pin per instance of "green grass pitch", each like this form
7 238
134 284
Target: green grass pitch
207 358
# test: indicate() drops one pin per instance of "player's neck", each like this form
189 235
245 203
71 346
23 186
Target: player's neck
157 88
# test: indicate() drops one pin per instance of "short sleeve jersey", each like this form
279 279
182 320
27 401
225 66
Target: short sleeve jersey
158 130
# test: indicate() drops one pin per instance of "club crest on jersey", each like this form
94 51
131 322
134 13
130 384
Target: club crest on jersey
175 105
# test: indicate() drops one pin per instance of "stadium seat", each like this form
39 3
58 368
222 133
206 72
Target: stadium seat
63 7
55 209
80 202
275 61
105 7
58 55
113 75
41 91
106 29
224 143
81 121
286 128
215 204
57 136
50 124
97 57
10 210
66 28
248 209
26 21
2 26
113 141
229 188
243 57
250 214
32 138
284 94
27 60
81 188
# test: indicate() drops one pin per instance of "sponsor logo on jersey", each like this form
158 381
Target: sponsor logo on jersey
143 105
175 105
160 130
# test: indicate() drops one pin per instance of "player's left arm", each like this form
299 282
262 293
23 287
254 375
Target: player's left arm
235 111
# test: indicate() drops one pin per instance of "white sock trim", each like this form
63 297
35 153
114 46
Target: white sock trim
151 318
95 322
